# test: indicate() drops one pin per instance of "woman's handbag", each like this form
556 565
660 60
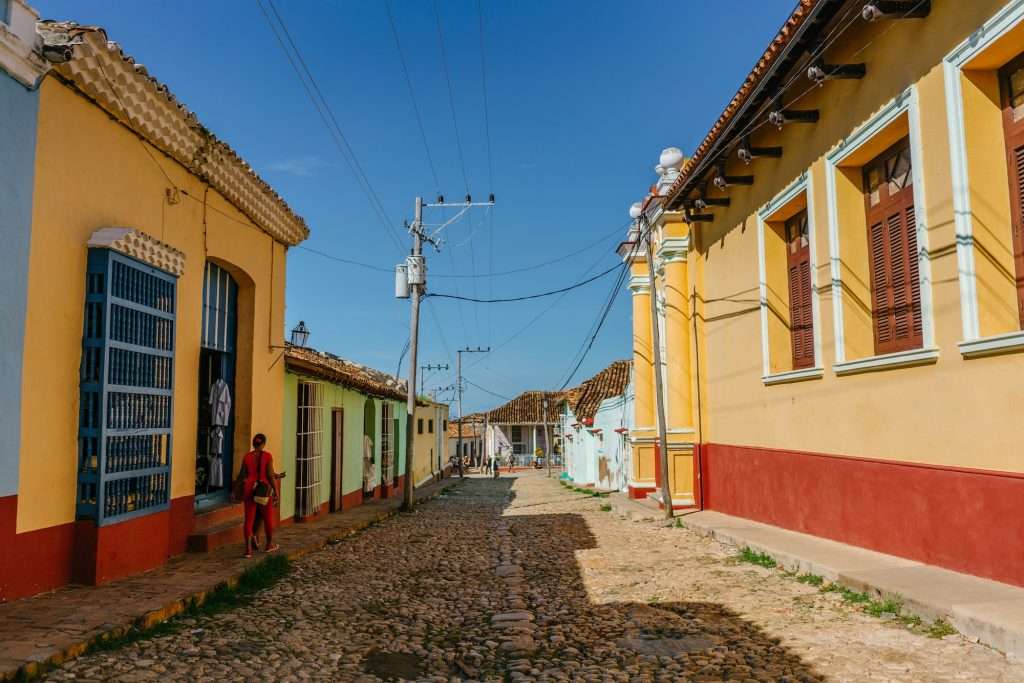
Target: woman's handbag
262 492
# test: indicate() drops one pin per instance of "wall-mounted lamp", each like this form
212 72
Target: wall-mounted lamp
300 334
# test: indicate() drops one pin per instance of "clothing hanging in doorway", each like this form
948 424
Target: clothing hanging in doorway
220 416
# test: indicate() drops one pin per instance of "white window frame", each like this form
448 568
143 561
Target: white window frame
973 344
905 103
802 185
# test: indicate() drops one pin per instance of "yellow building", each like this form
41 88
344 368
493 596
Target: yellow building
153 326
430 441
842 269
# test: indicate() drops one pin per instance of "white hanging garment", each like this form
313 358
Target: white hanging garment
216 471
220 403
216 440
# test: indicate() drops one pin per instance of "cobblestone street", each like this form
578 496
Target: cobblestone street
521 579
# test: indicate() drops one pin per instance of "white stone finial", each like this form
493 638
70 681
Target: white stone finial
671 158
634 210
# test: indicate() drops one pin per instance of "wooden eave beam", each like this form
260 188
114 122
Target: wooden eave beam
823 13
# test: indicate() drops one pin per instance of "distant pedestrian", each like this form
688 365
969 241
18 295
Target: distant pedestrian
260 494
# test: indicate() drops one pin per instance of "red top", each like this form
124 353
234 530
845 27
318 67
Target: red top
257 467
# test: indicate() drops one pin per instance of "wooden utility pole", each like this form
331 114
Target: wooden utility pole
547 437
414 333
659 388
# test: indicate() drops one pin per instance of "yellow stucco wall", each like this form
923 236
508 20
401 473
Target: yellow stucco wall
956 412
92 172
428 445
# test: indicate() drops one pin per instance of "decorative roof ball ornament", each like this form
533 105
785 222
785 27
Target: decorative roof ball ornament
671 159
635 209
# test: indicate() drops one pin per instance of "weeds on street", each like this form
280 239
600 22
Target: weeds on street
760 559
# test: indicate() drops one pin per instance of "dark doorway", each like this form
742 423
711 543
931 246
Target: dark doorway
216 419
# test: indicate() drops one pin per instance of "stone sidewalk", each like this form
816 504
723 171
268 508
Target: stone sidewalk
51 628
985 611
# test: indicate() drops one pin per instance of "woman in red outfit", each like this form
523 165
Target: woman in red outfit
258 465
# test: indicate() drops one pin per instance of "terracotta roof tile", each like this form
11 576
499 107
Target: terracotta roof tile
333 369
771 53
528 408
112 79
612 381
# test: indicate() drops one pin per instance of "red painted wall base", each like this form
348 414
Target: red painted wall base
45 559
961 519
34 561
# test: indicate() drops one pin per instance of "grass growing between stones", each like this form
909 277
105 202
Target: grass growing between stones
224 597
579 489
811 579
760 559
606 507
889 608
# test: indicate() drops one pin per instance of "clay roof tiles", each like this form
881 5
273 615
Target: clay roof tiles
610 382
528 408
102 71
771 53
346 373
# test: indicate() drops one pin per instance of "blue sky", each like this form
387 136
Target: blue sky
582 97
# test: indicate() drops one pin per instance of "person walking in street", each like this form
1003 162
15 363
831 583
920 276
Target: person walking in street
259 492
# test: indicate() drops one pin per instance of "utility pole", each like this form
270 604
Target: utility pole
424 369
411 281
659 389
547 436
458 388
417 281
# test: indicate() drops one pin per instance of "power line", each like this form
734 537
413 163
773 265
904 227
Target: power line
490 164
486 391
533 321
327 116
451 95
529 296
457 276
483 80
596 328
350 262
412 95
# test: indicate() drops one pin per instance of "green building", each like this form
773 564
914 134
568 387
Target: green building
344 434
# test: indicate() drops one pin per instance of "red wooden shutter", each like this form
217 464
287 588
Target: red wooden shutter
892 248
1012 78
801 318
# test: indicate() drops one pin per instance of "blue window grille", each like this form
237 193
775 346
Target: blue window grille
220 296
125 389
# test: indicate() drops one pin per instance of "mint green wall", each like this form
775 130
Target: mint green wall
352 402
287 446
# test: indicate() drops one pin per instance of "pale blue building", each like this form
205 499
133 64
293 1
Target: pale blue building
595 422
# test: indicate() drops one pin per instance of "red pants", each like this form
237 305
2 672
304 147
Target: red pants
254 514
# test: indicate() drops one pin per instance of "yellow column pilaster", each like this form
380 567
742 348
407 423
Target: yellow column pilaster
643 432
672 254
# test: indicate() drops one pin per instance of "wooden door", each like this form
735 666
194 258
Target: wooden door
337 457
801 318
1012 79
892 248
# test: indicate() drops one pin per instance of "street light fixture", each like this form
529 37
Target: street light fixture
300 334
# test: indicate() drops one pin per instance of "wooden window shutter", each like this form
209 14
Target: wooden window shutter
892 249
1012 79
801 317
